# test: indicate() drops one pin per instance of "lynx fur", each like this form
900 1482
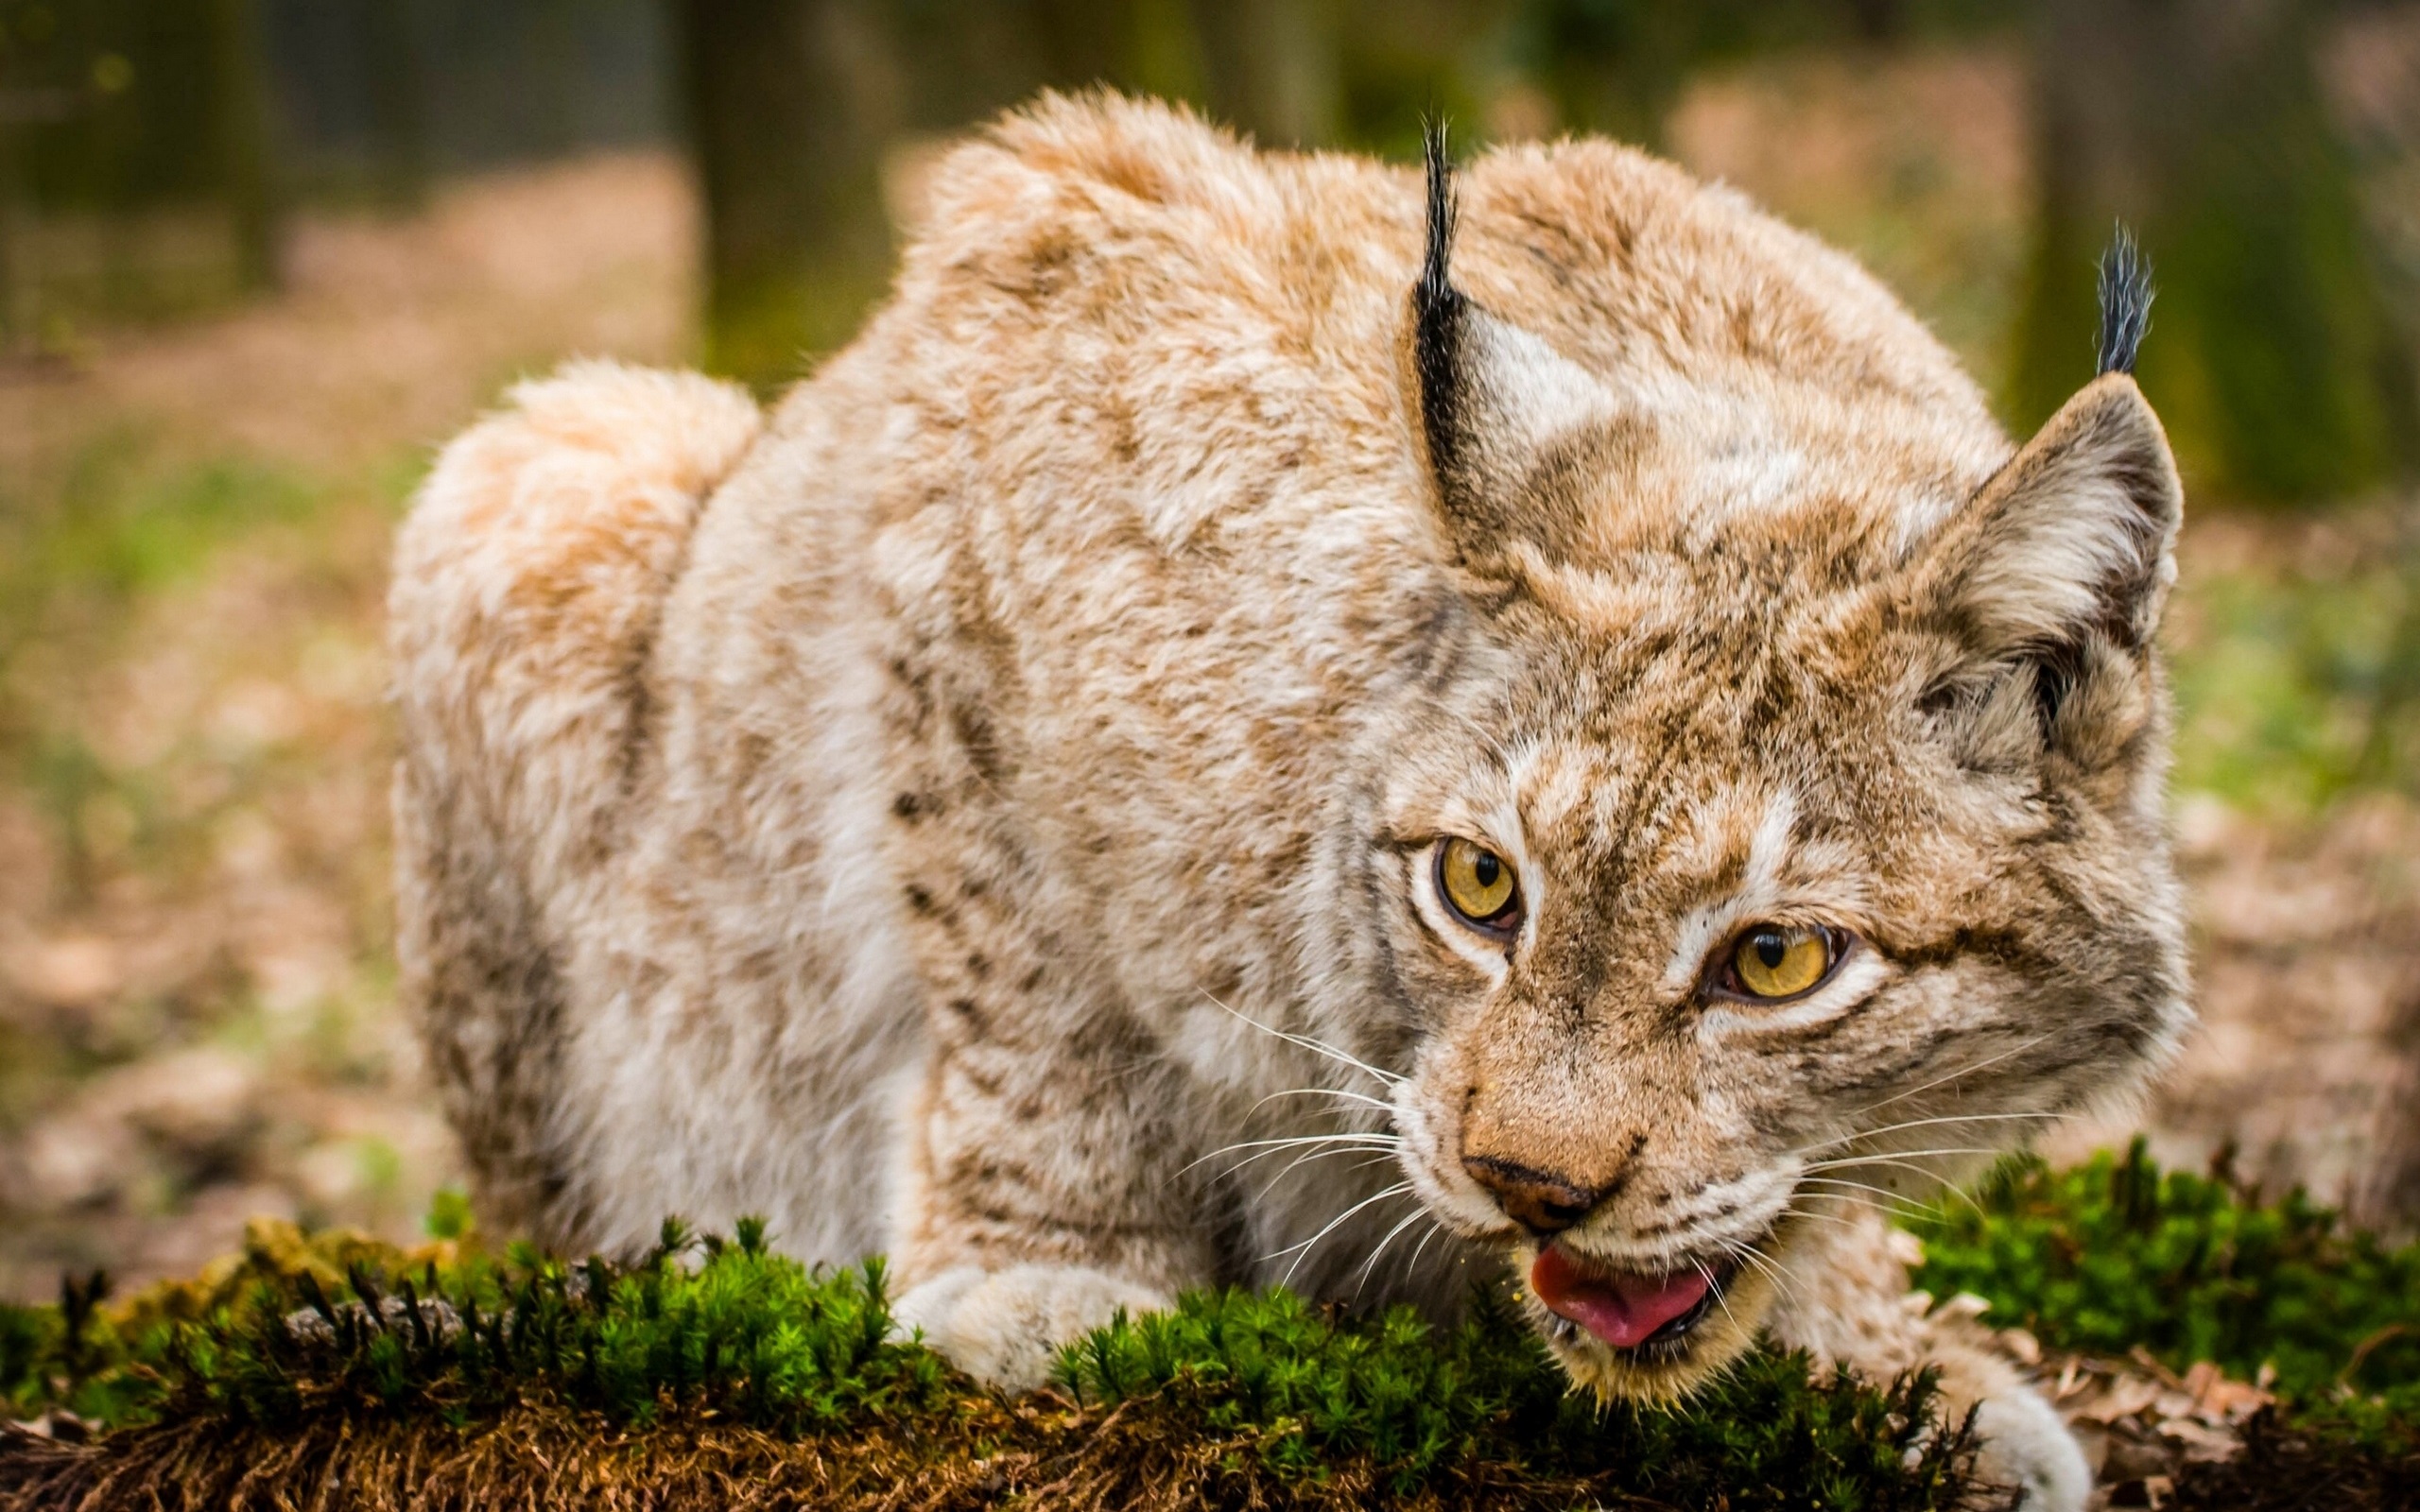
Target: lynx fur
990 809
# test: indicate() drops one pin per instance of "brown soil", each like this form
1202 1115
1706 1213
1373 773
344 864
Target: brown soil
1034 1453
2284 1471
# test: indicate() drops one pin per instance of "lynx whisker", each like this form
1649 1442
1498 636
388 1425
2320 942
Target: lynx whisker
1353 1140
1898 1201
1962 1072
1279 1179
1791 1209
1716 1287
1855 1186
1411 1267
1319 1151
1927 1122
1302 1251
1328 1091
1747 1253
1367 1265
1900 1158
1944 1182
1317 1047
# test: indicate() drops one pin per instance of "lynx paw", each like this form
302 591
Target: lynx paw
1004 1328
2025 1446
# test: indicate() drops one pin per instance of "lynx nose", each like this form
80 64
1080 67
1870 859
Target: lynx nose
1537 1200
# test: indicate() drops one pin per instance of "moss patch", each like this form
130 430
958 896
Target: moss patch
2117 1253
718 1373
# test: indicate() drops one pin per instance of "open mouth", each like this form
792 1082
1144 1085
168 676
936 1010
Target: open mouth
1628 1310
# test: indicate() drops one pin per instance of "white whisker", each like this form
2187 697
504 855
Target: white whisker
1716 1287
1889 1156
1964 1071
1317 1047
1320 1153
1277 1180
1326 1091
1411 1267
1927 1122
1857 1186
1350 1139
1302 1250
1781 1279
1903 1201
1793 1210
1748 1253
1900 1201
1417 1214
1944 1182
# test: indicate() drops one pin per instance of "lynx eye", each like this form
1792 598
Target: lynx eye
1780 960
1478 885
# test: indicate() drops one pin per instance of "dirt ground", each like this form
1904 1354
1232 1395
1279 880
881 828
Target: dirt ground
196 979
2307 970
196 982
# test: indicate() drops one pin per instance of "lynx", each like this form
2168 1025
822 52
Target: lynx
1275 720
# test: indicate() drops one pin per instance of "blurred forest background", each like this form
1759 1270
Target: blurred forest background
258 256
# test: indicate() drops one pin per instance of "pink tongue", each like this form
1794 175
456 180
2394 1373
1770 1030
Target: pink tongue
1620 1308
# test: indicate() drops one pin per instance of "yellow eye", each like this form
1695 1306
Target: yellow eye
1780 960
1479 884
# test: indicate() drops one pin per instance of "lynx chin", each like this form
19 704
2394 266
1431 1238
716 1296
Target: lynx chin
1275 718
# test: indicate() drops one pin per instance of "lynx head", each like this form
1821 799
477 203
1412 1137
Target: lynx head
1801 838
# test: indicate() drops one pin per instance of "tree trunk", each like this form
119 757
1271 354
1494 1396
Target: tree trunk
398 101
1615 69
239 130
1273 68
2271 355
790 104
16 292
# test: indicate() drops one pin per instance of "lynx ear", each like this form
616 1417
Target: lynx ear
2053 578
1495 401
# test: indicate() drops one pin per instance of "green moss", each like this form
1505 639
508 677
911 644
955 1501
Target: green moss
28 1344
1262 1388
732 1333
2117 1253
753 1336
1304 1390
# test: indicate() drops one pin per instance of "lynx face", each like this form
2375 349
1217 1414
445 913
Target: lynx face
1813 852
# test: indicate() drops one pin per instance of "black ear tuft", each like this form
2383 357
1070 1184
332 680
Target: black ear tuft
2125 301
1496 405
1439 307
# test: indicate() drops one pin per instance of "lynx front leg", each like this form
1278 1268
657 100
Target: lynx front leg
1049 1188
1849 1306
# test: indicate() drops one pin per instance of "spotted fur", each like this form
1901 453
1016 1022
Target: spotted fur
986 812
